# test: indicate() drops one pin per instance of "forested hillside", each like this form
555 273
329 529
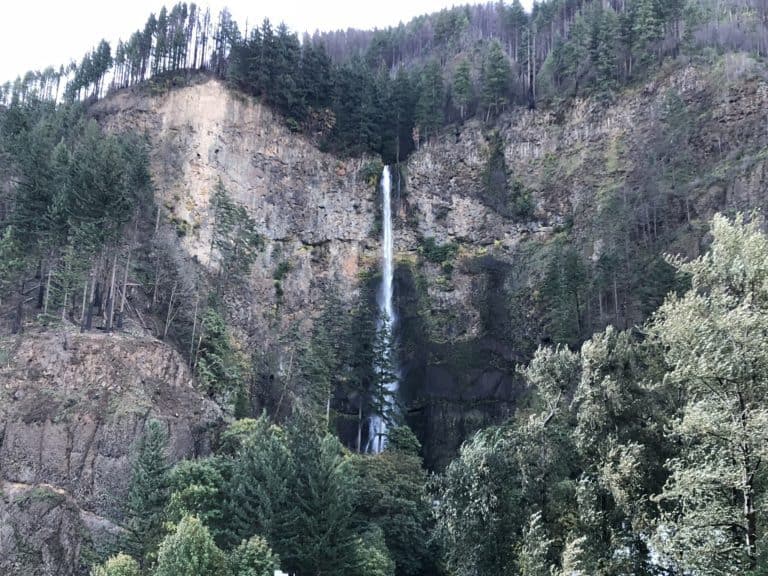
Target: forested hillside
190 348
386 91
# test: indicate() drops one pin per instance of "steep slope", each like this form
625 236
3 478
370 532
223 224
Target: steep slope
71 409
543 226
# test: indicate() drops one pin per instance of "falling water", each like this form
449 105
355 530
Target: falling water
377 426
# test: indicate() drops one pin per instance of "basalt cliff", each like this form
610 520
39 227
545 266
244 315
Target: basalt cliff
537 228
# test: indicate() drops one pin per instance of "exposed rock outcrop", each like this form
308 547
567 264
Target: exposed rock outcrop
72 406
41 532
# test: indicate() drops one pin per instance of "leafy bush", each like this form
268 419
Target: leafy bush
438 253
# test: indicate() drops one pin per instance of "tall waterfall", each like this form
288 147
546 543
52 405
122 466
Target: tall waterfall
377 425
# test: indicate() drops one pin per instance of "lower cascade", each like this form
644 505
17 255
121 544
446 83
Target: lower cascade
386 368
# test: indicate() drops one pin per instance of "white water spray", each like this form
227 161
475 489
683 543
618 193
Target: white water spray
377 426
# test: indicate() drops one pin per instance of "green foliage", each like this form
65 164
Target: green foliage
392 495
438 253
520 470
190 551
563 292
477 508
431 95
220 365
148 493
371 555
384 375
713 341
11 256
254 557
462 86
402 439
234 236
534 554
197 488
371 173
119 565
495 79
257 493
317 534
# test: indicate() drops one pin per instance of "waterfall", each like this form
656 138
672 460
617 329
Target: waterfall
377 425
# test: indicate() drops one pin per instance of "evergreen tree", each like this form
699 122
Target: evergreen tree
495 79
713 339
462 87
148 493
392 495
317 534
382 401
258 492
234 238
430 103
371 555
198 488
403 104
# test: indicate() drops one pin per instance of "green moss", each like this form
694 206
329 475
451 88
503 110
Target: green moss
41 494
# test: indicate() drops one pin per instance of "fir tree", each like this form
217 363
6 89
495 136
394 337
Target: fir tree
148 493
495 79
462 87
430 103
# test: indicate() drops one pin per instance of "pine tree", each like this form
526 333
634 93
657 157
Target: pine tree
148 493
462 86
430 103
385 376
317 534
495 79
257 493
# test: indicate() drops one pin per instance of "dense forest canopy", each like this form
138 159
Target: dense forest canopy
386 90
643 453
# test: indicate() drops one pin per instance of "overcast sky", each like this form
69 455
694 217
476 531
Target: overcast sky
38 33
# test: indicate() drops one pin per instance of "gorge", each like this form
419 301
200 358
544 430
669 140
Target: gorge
450 303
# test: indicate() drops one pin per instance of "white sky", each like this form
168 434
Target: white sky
35 34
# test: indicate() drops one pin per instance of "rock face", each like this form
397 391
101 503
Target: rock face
315 211
41 532
73 405
467 319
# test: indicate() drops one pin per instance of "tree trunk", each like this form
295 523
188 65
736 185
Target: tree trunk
169 316
40 286
112 294
359 425
85 300
89 313
18 319
47 292
121 313
192 354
